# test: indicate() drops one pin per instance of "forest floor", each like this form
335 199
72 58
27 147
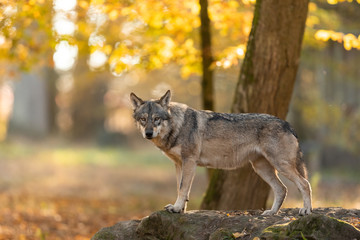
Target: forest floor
58 190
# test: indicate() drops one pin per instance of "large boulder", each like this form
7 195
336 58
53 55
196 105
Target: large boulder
324 223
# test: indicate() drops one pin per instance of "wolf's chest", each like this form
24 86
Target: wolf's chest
174 154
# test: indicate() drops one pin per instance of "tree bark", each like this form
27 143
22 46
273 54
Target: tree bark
265 85
207 83
207 59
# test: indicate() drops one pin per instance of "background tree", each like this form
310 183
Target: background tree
207 84
265 85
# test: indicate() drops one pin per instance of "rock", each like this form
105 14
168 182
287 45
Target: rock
121 231
324 223
313 226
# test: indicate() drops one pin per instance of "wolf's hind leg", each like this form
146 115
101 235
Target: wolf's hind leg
268 173
302 184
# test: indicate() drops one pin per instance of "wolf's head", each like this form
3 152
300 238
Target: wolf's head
151 116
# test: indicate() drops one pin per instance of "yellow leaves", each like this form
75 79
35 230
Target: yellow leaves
333 2
5 43
322 35
312 7
126 11
97 2
22 52
113 15
248 2
26 8
123 58
32 2
231 55
166 51
192 6
155 62
349 40
233 4
107 49
83 4
156 20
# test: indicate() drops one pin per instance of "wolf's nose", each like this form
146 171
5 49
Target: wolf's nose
149 134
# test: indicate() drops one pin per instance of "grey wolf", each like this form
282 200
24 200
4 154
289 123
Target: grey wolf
193 138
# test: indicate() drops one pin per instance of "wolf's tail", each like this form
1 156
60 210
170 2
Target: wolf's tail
300 165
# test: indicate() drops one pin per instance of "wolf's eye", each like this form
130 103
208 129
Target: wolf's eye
156 119
143 119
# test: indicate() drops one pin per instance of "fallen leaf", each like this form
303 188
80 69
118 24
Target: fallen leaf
237 235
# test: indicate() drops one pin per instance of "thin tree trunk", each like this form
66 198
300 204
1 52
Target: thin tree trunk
265 85
207 83
207 59
51 77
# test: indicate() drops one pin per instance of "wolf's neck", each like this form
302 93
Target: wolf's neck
169 137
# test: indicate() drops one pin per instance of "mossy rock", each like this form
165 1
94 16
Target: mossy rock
313 226
223 225
222 234
120 231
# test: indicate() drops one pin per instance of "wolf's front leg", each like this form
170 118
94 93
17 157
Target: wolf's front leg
178 168
186 178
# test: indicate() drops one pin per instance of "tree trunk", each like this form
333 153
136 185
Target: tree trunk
265 85
206 54
51 76
207 83
87 107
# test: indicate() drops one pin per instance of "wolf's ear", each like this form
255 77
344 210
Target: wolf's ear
135 100
165 100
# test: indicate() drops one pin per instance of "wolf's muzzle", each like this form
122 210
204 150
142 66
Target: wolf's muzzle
149 134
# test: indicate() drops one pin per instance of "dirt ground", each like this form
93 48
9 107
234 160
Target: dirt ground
63 191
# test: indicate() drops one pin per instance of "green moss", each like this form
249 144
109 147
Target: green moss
311 227
222 234
276 231
104 235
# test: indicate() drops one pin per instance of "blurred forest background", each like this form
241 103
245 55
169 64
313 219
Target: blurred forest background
71 160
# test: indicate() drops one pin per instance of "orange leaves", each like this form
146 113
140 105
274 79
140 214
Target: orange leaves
355 221
25 217
349 40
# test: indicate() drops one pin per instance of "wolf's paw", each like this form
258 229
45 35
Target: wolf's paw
269 212
173 209
304 211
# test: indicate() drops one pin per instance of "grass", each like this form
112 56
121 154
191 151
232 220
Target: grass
59 190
